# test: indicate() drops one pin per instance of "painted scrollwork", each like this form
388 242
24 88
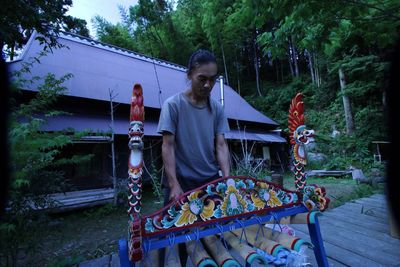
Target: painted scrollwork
226 198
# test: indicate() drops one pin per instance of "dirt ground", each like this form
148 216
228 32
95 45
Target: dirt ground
69 238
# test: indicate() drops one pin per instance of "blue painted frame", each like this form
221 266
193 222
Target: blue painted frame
180 236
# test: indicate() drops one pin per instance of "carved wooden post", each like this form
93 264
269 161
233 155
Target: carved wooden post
299 137
314 197
135 165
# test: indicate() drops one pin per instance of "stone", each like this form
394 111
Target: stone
359 176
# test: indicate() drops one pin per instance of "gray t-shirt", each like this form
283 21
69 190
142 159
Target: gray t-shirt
195 129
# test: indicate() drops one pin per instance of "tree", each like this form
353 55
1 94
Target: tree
117 35
35 160
18 19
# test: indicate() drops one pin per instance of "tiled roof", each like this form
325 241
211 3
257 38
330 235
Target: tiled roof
98 67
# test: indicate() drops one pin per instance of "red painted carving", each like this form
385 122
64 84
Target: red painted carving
135 165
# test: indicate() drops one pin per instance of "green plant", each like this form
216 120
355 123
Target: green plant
98 212
35 160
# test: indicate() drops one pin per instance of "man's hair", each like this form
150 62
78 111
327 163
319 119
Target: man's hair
200 57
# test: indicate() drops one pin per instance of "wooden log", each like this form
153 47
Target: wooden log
199 257
269 246
290 242
245 251
218 251
152 259
266 242
172 257
287 241
304 218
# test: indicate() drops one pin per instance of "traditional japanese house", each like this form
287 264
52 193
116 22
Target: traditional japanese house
102 72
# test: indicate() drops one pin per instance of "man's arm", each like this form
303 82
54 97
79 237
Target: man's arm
168 156
223 155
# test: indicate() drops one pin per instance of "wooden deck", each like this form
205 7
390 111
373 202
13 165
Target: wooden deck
357 234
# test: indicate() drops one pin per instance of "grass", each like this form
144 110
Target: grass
69 238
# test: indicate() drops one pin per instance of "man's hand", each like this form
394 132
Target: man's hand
175 192
168 155
223 156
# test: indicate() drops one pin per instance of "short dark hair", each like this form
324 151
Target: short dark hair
200 57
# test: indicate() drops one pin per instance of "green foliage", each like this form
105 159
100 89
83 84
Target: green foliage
18 19
156 182
99 212
354 36
362 190
117 35
35 158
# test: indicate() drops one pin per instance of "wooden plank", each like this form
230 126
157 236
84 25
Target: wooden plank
340 255
81 193
361 230
348 241
357 242
356 213
313 262
375 226
115 260
320 173
378 196
367 210
372 203
71 201
80 205
99 262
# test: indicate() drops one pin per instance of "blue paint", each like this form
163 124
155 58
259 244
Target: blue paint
180 236
316 239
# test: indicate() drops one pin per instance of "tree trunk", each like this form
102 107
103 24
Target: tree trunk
238 77
223 59
296 67
347 105
290 61
310 64
316 72
113 149
256 66
237 71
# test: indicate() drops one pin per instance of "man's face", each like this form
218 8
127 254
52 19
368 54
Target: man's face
203 79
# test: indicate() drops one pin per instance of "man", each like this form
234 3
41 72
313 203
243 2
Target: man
193 126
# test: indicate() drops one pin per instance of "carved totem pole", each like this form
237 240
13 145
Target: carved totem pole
300 136
135 165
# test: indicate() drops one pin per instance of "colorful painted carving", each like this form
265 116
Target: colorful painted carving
313 196
224 204
135 165
225 198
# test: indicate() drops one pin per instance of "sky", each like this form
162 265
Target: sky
108 9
